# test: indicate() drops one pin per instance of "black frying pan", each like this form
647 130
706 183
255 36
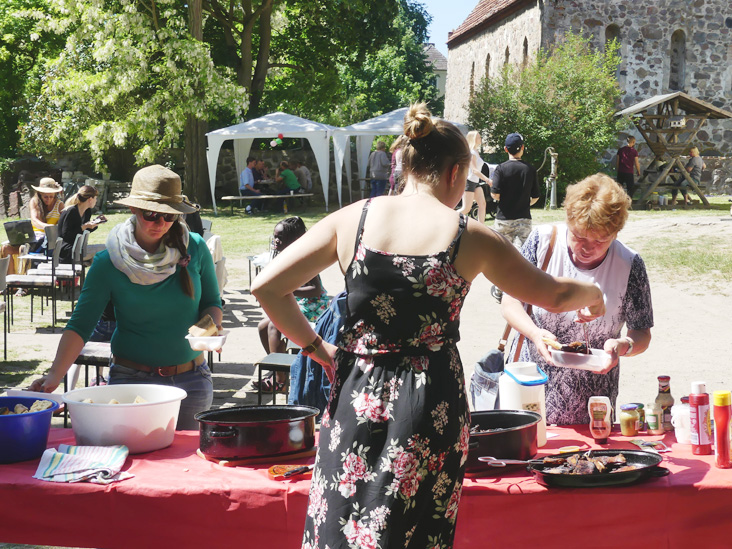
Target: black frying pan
647 462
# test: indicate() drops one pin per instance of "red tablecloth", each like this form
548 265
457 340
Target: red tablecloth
181 500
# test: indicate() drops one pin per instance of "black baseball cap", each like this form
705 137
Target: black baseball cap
514 142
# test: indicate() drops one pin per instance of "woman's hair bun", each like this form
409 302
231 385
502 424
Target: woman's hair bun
418 121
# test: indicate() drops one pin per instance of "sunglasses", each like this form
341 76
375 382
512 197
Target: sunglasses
154 216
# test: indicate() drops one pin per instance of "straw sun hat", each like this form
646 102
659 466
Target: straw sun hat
157 189
47 185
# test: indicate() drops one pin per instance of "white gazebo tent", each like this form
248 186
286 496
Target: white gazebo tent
265 127
391 123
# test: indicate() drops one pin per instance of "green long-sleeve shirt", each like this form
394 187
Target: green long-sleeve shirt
152 321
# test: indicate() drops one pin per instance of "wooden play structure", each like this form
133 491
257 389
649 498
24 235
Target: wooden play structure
669 123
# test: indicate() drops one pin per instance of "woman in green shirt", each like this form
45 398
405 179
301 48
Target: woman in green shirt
161 279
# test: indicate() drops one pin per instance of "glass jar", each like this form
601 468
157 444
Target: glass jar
654 418
629 420
641 417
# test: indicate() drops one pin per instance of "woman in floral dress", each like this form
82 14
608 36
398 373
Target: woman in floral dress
394 438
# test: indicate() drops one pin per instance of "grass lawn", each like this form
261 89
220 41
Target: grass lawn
244 235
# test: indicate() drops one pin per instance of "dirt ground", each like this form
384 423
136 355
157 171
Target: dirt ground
690 338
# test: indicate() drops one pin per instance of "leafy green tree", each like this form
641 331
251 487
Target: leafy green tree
22 52
302 41
131 76
565 99
393 76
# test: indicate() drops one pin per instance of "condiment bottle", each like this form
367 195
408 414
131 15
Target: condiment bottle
629 420
701 426
599 408
654 418
641 417
665 400
722 426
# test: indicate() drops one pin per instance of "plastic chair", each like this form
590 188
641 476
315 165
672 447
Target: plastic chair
51 238
4 262
206 223
41 282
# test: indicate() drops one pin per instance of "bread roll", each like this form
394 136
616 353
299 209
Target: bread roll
552 343
204 328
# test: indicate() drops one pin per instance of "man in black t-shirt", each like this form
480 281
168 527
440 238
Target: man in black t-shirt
515 188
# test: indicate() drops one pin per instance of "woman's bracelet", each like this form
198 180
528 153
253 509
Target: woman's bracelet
310 349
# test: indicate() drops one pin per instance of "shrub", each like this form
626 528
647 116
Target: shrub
565 99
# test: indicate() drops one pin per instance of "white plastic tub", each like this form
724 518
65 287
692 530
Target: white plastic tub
141 427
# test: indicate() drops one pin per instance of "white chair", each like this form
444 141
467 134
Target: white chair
4 262
206 224
42 282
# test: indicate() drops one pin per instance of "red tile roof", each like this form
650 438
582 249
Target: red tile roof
484 14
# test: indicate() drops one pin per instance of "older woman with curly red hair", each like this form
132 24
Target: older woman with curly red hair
586 249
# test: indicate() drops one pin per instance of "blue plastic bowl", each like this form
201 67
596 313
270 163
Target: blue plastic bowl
24 436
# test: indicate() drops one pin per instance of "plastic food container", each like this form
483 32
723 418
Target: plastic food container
24 436
210 343
141 427
594 362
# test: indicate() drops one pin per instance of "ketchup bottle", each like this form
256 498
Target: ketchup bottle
701 428
722 413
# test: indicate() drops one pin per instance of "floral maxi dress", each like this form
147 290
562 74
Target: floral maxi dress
394 438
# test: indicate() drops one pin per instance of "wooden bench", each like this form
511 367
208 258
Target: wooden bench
240 199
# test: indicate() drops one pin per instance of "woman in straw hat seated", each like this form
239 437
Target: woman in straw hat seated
45 210
160 278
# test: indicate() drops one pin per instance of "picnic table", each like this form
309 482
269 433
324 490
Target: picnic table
178 499
287 197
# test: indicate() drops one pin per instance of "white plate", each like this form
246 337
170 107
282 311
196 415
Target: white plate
594 362
210 343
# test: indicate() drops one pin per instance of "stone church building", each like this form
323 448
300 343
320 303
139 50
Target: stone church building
665 46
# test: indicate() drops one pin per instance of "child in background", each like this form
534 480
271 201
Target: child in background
311 298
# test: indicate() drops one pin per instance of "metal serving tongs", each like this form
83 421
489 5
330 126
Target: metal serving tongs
495 462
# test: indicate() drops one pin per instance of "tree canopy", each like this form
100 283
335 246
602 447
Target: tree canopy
129 77
565 100
138 75
23 49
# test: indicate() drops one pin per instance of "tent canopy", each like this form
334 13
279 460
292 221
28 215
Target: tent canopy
270 126
391 123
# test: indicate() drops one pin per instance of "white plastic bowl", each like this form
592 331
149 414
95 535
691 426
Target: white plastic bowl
141 427
210 343
594 362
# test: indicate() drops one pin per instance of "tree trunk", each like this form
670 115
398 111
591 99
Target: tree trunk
260 71
196 184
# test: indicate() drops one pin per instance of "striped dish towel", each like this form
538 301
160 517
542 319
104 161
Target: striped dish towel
97 464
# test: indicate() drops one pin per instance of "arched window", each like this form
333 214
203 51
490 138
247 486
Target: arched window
612 32
507 57
488 66
525 58
677 75
472 79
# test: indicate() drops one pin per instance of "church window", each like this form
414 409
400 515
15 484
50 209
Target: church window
677 76
488 66
525 59
507 58
612 32
472 79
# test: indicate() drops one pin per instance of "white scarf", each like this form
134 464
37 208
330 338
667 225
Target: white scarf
141 267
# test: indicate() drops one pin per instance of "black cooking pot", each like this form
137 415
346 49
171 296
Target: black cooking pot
256 431
509 434
646 464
